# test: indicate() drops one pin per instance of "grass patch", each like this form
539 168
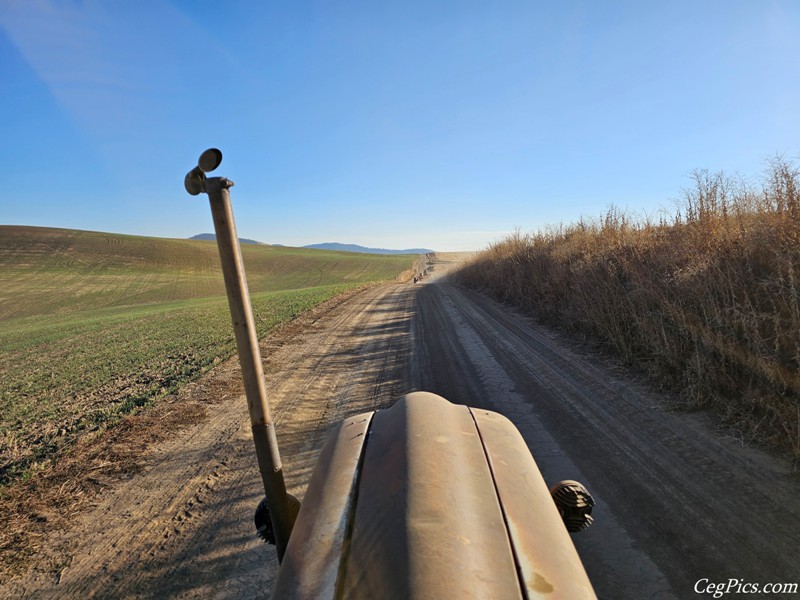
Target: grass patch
82 372
95 326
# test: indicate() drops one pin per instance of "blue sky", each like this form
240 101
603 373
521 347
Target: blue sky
391 124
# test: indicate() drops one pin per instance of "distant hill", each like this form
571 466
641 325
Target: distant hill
357 248
213 238
327 246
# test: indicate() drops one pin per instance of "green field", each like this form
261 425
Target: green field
94 326
49 271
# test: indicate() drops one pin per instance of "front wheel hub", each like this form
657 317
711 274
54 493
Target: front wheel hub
574 504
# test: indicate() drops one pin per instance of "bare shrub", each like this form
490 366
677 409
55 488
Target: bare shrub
706 300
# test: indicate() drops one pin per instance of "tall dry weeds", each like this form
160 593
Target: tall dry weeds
706 300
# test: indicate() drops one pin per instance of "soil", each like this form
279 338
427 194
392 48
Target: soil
678 498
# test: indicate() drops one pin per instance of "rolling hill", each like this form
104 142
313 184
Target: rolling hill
45 271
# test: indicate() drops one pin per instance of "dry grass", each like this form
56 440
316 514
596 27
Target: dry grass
36 509
706 300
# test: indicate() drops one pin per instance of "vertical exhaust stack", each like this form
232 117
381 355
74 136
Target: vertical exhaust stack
281 514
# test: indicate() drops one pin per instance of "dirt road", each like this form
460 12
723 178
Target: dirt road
678 501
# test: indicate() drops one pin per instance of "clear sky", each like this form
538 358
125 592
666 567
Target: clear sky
393 124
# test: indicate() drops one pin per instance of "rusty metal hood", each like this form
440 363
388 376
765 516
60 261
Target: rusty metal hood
429 499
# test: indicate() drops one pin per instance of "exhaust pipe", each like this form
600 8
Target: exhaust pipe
281 514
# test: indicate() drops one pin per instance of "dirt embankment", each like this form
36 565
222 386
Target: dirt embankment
677 500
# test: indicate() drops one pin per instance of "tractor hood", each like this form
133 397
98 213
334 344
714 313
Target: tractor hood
429 499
